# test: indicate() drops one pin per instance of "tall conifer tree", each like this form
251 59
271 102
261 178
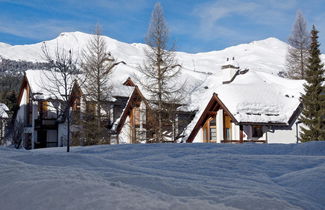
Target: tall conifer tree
314 99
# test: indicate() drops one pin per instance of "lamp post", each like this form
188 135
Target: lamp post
67 115
297 131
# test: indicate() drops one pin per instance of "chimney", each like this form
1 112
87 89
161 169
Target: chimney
229 70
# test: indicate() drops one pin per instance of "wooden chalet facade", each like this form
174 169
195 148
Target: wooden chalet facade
133 125
82 107
130 118
138 123
218 125
38 116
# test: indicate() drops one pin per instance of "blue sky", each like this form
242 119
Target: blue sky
195 26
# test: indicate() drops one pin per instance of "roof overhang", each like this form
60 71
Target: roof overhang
23 85
135 96
214 103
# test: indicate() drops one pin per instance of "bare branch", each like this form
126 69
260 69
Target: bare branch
159 75
298 54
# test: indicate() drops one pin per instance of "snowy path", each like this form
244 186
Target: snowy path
165 176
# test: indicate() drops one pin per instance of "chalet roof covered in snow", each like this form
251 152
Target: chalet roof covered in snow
115 85
253 97
3 110
122 91
47 84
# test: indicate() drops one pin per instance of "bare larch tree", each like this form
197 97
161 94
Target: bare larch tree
59 79
298 50
97 66
159 72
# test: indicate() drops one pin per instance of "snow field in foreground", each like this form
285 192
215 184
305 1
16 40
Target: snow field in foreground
165 176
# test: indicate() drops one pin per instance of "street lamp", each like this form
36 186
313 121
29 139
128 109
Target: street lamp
297 130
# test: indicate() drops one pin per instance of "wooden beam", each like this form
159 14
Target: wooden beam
210 113
129 82
216 107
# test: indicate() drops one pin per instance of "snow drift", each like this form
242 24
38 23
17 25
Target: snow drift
165 176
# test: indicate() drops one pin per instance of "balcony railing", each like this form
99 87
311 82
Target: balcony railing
46 124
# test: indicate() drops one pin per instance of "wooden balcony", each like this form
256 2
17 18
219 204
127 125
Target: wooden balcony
50 124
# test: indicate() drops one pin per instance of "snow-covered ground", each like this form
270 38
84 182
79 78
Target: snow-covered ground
165 176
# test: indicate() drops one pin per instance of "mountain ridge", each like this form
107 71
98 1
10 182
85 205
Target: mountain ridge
267 55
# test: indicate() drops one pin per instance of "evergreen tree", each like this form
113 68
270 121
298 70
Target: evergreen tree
314 99
11 100
297 57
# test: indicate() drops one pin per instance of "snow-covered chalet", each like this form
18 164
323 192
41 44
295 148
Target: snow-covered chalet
129 116
240 105
39 113
233 105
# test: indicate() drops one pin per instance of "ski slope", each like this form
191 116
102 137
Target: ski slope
165 176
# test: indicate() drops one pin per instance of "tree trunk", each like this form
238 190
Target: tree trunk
159 98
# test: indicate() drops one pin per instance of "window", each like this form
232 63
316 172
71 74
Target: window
257 131
75 111
90 107
213 129
210 130
227 128
228 134
76 105
140 134
51 138
136 115
213 133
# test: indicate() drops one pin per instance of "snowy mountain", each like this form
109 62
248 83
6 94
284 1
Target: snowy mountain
4 45
266 55
200 71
